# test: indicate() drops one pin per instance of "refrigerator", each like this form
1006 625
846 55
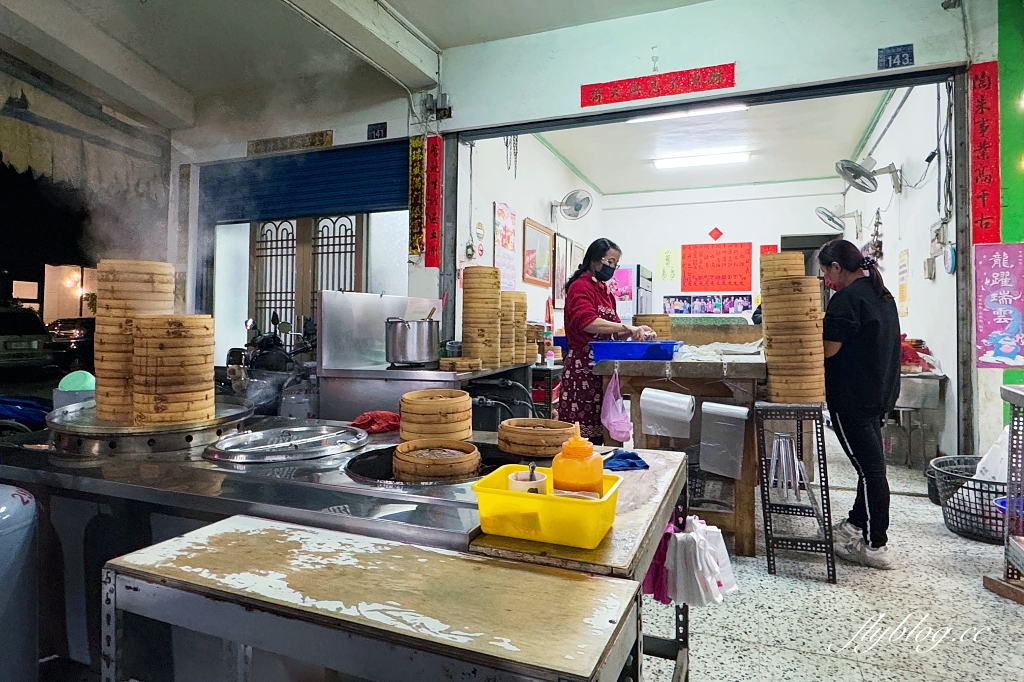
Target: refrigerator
633 288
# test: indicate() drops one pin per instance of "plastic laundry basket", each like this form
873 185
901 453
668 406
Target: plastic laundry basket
967 505
19 655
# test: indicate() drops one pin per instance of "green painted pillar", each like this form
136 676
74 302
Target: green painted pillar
1011 136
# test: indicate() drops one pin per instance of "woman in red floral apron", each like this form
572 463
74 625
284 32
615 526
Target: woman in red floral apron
590 316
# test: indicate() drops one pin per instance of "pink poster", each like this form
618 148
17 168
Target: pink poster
621 284
999 286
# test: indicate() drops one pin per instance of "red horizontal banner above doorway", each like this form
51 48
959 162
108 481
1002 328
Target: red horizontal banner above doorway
659 85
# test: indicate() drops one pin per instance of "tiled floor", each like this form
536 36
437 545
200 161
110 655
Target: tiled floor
796 626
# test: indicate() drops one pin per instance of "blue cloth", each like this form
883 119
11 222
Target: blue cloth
624 460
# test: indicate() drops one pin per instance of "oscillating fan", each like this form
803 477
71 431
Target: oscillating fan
834 218
573 206
861 177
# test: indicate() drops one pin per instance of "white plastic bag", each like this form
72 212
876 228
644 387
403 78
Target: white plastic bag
726 579
613 412
992 466
692 566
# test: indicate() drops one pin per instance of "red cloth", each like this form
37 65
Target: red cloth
587 300
377 421
656 581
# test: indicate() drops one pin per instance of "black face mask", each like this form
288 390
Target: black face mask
605 273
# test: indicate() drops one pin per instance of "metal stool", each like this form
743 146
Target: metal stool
786 460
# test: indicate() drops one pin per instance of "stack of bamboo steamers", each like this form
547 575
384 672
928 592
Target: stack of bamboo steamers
792 320
151 367
519 343
481 315
493 321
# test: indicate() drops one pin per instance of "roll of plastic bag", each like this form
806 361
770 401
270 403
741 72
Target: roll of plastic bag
721 439
664 413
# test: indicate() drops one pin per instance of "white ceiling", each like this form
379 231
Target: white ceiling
451 23
787 141
240 53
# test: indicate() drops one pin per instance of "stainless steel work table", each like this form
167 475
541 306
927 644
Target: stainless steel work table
647 500
347 393
732 380
319 493
370 609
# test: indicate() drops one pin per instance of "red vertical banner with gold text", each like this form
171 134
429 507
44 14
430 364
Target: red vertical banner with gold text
985 188
417 190
432 213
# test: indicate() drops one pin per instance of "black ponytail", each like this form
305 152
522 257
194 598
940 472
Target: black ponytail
849 258
595 252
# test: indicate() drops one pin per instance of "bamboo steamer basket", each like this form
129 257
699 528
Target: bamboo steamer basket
785 302
785 264
660 324
810 315
533 437
406 433
461 364
434 403
456 416
431 459
172 366
812 370
485 271
811 398
126 289
799 283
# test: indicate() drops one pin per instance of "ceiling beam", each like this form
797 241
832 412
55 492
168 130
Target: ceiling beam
59 33
376 35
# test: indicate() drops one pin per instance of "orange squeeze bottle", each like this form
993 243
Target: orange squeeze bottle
578 468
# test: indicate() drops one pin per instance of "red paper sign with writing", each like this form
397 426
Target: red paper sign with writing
432 212
716 267
769 248
659 85
985 190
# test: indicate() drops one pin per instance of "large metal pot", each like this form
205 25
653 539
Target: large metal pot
409 342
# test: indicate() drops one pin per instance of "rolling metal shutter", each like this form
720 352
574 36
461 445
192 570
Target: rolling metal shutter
335 181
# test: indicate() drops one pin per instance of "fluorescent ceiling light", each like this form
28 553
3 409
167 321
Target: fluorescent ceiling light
702 160
687 113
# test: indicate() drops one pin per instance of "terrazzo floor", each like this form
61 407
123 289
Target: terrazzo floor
796 626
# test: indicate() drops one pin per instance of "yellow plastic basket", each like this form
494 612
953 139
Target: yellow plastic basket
544 518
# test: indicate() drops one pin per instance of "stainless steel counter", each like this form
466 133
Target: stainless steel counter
313 492
731 367
1013 394
347 393
382 373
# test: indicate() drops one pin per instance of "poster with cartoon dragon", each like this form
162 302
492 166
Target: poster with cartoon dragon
999 289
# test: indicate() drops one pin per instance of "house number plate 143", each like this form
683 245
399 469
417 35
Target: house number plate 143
895 57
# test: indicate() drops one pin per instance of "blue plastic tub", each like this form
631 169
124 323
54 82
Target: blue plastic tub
1000 504
633 350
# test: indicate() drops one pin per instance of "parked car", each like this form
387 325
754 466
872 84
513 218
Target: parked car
24 340
71 340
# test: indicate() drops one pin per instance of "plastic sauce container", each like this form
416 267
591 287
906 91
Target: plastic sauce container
578 468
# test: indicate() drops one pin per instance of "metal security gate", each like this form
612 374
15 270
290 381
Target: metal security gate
293 259
336 246
274 264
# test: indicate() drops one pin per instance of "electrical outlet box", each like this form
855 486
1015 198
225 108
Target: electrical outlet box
929 268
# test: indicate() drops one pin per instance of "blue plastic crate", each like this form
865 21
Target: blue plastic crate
633 350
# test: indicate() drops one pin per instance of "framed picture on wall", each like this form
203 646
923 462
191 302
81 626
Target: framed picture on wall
538 244
576 253
561 271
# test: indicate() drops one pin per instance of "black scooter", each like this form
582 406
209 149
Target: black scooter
259 372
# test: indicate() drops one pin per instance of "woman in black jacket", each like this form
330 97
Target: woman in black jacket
861 335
